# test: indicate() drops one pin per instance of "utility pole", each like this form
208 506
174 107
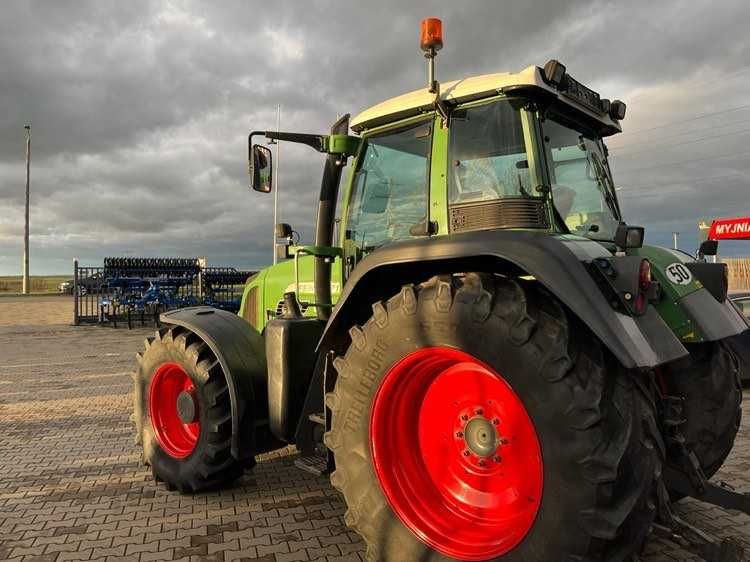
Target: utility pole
26 284
675 236
276 177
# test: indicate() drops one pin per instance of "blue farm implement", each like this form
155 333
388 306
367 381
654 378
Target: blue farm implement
128 290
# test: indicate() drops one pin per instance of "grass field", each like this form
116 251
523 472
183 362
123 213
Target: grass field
11 284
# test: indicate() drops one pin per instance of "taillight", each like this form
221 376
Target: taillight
644 285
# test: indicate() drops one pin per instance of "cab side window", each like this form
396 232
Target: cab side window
488 154
390 190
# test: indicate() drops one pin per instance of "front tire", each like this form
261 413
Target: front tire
182 412
570 472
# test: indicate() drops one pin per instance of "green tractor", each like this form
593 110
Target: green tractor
483 355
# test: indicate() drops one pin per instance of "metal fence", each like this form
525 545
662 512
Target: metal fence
134 291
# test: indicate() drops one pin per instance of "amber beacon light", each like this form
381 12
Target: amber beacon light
432 35
431 41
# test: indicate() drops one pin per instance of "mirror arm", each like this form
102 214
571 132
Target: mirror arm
318 142
332 144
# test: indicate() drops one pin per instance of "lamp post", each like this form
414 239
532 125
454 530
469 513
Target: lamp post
26 285
276 176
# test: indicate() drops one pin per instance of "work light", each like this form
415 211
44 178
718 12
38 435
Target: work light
554 72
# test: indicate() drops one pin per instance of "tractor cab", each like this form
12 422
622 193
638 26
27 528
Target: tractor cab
500 151
511 152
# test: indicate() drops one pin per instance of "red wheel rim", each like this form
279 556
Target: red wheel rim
177 439
456 454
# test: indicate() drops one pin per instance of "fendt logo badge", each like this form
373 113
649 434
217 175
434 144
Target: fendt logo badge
678 274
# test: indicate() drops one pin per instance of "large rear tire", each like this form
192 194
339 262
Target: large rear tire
182 412
710 384
570 467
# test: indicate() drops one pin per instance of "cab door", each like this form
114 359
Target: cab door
389 192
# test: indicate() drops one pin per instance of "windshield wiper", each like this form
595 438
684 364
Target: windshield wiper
601 183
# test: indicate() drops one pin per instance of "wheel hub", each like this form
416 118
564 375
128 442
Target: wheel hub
173 409
481 437
187 407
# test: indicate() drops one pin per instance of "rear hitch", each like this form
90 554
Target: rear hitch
721 494
704 545
708 547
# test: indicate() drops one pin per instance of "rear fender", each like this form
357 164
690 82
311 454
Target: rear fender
556 262
241 353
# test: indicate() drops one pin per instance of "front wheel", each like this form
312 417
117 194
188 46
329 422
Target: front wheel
470 422
182 412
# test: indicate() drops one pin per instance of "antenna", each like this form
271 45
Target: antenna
276 178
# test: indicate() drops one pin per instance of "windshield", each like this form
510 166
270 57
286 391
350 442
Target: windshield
582 188
488 154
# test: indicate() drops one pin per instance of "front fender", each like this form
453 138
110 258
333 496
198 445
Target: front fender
691 311
241 353
554 261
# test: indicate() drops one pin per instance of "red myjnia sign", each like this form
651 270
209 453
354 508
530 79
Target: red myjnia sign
730 229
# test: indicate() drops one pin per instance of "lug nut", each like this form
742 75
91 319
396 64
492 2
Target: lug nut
495 421
464 417
459 434
480 412
466 453
497 459
481 463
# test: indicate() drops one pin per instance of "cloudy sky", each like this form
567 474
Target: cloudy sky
140 110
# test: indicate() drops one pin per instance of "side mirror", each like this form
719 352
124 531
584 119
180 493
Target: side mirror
708 248
260 168
629 236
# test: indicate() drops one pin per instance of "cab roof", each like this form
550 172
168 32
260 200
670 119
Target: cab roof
469 89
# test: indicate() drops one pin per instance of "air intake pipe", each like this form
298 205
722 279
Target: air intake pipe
329 189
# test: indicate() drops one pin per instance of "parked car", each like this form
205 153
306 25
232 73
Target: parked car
742 301
66 287
93 284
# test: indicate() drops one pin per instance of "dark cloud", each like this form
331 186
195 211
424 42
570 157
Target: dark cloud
140 110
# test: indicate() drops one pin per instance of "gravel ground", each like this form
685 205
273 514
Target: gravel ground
36 311
72 486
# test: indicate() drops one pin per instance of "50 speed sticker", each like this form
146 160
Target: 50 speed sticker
678 274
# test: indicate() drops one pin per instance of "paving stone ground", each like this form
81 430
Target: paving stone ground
72 486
